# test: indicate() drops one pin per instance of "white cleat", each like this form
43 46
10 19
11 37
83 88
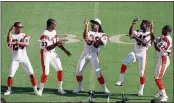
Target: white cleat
119 83
78 90
61 91
158 95
140 94
36 92
39 93
164 99
8 92
107 91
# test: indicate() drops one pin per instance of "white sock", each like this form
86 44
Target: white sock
80 84
104 87
141 88
122 78
164 92
9 89
34 87
60 85
42 86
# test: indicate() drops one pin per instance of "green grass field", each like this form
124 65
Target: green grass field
116 18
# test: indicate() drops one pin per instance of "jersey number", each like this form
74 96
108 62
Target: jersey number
44 44
92 43
141 37
15 46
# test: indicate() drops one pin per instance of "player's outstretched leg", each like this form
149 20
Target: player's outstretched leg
9 84
160 85
122 72
79 79
33 82
42 83
102 82
60 82
128 60
142 82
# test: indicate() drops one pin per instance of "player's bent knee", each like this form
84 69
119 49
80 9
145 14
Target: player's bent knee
125 62
141 75
98 74
31 75
78 73
10 75
60 69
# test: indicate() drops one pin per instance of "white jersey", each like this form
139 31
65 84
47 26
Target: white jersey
138 47
19 52
92 47
48 38
165 45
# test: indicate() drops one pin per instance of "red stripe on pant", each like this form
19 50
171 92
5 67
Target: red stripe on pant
33 80
123 68
159 83
60 76
79 78
164 60
43 77
101 79
10 81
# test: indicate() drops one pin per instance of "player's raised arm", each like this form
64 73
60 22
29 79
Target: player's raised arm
85 33
9 34
152 36
131 30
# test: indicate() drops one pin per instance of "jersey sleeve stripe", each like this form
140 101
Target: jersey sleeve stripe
44 37
167 41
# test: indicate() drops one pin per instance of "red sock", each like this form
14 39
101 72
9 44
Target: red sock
159 83
9 81
79 78
60 76
123 68
33 80
142 80
43 78
101 80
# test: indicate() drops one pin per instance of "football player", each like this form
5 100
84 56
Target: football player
143 39
93 40
163 48
18 42
48 42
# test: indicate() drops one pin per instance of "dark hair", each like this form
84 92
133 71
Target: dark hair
16 23
146 22
100 29
168 28
50 21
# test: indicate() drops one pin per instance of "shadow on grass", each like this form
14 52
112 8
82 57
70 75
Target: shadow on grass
29 90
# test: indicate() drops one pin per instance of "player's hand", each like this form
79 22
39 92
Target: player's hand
67 53
135 20
86 22
11 28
